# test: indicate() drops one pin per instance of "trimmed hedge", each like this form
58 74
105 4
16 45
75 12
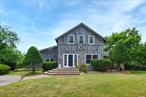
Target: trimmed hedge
49 65
134 67
83 68
4 69
101 65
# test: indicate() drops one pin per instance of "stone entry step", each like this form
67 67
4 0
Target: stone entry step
63 71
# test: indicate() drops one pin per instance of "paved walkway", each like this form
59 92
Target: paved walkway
7 79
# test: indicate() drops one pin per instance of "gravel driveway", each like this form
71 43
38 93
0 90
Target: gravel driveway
6 79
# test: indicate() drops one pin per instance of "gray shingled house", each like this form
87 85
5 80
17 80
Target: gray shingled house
77 46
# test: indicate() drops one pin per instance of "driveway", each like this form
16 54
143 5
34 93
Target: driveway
7 79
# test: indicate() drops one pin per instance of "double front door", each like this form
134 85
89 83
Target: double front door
70 60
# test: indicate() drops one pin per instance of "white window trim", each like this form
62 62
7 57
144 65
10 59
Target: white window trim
69 39
91 57
79 39
67 59
89 39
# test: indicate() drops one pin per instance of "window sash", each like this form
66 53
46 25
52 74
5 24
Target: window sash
91 39
71 38
81 39
90 57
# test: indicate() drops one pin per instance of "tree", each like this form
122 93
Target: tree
7 37
141 52
130 37
122 46
32 58
119 54
8 53
10 56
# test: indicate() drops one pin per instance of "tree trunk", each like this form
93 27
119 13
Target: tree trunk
118 67
33 68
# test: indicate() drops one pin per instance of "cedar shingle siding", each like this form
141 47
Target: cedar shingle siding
81 49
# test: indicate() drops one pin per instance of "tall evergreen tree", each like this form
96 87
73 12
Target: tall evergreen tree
32 58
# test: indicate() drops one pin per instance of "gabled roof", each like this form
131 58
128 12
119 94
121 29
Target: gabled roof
42 50
81 24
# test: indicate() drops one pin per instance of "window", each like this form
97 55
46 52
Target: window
81 39
71 39
70 60
75 60
95 56
47 60
65 60
52 59
90 57
91 39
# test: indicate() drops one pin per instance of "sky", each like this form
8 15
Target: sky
39 22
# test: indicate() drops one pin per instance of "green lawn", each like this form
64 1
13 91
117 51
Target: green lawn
24 72
84 85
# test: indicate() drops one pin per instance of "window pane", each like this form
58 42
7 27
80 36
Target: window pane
65 60
95 56
88 58
91 39
75 60
81 39
71 39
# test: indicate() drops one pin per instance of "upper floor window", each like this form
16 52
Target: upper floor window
81 39
91 39
71 39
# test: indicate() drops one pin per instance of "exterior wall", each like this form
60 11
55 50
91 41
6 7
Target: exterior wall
50 53
81 49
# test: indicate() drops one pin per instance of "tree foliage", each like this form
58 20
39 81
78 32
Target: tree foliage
125 47
32 58
11 57
7 37
8 53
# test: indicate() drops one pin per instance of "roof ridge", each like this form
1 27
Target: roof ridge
78 26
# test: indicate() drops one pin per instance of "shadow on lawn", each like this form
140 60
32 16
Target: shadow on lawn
137 72
24 72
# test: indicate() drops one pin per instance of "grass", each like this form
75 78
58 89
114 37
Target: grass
137 72
84 85
24 72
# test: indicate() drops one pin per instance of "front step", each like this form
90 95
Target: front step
63 71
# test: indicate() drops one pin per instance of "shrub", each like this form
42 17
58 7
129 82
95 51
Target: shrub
11 65
49 65
83 68
4 69
101 65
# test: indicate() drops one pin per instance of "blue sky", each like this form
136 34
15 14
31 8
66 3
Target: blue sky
39 22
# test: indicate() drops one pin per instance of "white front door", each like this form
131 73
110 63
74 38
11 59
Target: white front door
70 60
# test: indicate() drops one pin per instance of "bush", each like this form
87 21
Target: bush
4 69
101 65
49 65
11 65
83 68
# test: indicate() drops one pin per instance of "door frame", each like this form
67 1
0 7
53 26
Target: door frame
68 59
